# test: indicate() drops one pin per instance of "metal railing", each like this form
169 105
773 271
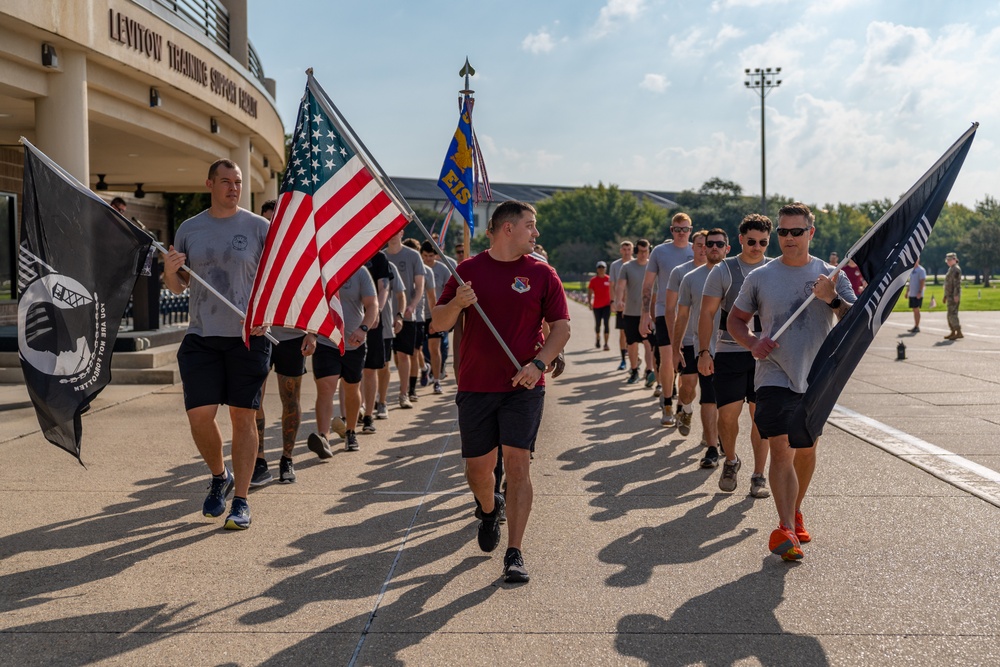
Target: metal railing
173 309
208 16
255 67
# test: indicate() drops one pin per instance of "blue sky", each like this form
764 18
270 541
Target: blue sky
650 93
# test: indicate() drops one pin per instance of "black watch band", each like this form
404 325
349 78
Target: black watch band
364 327
835 304
539 364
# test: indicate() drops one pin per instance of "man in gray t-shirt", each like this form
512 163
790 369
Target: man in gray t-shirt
662 261
435 342
728 364
915 293
223 245
685 406
410 269
614 272
774 292
628 292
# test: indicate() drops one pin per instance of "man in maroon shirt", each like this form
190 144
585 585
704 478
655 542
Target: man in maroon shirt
498 404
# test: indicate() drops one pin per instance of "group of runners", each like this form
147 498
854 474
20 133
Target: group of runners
703 321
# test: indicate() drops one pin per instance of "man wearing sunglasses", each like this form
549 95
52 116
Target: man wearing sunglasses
615 273
774 292
663 259
730 366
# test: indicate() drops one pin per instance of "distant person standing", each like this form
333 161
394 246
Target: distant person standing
915 293
599 299
953 295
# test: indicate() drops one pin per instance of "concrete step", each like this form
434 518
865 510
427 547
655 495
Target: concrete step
165 375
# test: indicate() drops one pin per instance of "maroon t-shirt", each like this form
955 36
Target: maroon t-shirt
516 296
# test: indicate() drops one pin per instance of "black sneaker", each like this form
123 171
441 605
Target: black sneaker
261 475
489 527
319 445
711 459
218 489
239 515
286 474
633 376
367 424
514 571
351 442
424 373
503 510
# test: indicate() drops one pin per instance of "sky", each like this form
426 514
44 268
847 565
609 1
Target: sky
650 94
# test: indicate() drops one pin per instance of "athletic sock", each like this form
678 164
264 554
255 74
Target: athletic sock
413 385
222 476
624 352
689 408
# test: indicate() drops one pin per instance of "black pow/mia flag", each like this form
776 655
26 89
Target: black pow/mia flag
77 265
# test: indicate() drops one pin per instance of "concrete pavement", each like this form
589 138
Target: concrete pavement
635 556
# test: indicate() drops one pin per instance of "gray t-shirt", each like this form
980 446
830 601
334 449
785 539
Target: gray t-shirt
674 282
774 292
615 271
408 265
354 289
689 294
916 277
225 252
633 273
429 283
282 334
663 259
441 275
389 312
724 282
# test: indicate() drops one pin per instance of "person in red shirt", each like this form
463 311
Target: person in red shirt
499 404
599 298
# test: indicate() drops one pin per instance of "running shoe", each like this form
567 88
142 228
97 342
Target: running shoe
514 571
633 376
319 445
728 480
413 397
218 489
489 527
711 459
597 343
606 348
437 388
367 424
758 486
650 379
339 426
915 330
423 374
784 543
800 528
286 471
351 442
381 411
503 510
658 390
261 475
684 421
668 418
404 402
621 366
239 515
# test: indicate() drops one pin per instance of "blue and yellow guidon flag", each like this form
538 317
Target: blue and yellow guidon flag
456 174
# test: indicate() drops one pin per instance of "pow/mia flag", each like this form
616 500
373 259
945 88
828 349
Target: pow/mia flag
77 265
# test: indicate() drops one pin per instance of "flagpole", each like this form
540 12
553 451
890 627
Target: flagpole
390 188
232 306
881 221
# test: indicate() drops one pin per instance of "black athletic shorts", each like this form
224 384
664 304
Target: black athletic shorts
660 332
632 334
421 328
489 419
287 359
220 370
405 341
619 319
375 357
601 315
327 361
733 378
387 344
775 406
916 301
704 381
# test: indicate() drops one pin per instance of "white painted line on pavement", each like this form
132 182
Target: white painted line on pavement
421 493
949 467
932 329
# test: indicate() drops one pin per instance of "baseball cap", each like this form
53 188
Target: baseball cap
602 264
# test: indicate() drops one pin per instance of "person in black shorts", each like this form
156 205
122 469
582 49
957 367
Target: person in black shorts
614 272
375 355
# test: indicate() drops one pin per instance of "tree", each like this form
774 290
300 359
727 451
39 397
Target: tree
952 226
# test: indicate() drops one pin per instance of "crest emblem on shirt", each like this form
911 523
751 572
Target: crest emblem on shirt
240 242
520 285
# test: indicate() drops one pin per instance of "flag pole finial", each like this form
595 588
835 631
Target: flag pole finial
309 72
467 71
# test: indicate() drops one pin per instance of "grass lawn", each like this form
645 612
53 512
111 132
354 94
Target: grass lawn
974 297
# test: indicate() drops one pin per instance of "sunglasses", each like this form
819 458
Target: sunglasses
680 230
715 244
794 231
753 242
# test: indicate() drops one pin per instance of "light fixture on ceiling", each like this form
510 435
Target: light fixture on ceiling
101 185
266 163
139 192
154 98
214 125
50 58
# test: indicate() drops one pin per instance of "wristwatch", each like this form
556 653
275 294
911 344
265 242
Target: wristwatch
539 364
835 304
364 327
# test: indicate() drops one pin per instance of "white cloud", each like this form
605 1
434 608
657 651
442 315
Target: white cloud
539 42
721 5
655 83
615 11
693 45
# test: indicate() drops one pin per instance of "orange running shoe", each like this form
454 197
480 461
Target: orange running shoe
784 543
800 528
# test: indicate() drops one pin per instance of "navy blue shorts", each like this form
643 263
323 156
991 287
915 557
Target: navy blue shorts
733 378
220 370
327 362
775 406
487 420
287 359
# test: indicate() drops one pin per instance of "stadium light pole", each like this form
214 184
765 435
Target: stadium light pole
762 80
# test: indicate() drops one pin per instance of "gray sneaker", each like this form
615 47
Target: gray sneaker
684 421
728 480
339 426
758 486
381 411
351 442
261 475
404 402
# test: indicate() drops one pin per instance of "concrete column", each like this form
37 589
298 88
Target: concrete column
61 118
241 156
270 186
238 40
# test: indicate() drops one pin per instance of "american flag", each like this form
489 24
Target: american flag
332 216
